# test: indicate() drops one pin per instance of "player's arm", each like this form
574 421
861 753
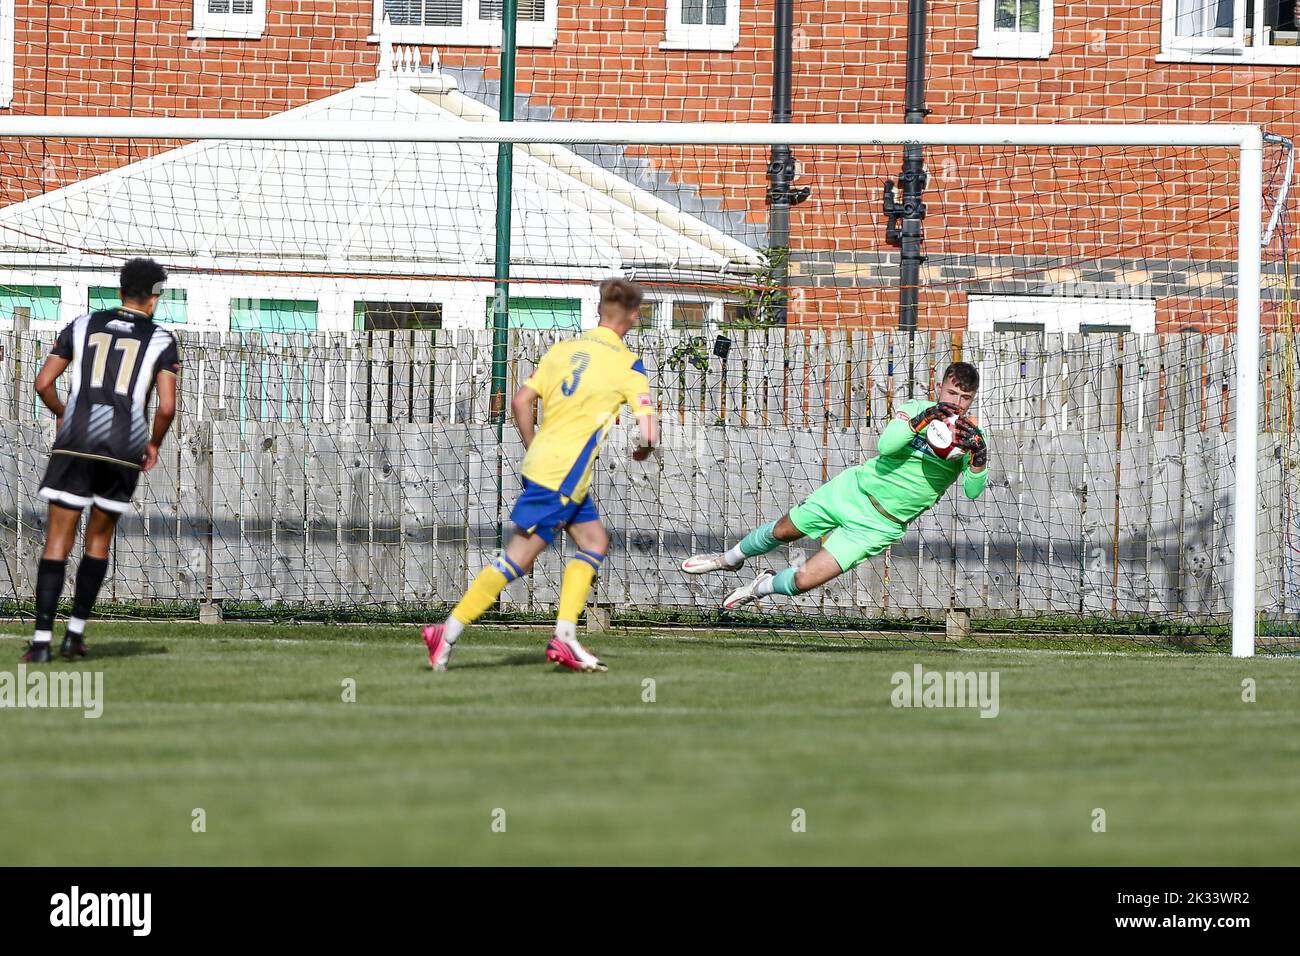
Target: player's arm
649 435
59 358
976 475
163 417
523 409
902 428
165 375
45 387
896 436
636 393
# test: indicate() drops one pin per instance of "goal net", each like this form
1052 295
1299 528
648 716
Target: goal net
338 452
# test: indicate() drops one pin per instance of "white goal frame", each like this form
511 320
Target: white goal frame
1246 140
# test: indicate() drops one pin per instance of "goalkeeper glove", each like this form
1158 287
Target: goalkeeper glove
942 410
969 437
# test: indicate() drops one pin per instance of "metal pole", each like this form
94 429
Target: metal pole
904 229
781 194
913 177
1250 190
501 295
630 133
505 170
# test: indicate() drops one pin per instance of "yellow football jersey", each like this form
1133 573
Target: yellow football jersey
583 382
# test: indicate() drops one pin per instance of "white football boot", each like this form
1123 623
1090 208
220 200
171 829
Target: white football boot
706 563
746 594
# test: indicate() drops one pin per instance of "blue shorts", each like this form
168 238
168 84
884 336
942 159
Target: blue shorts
544 512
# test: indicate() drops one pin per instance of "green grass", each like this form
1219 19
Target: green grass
247 723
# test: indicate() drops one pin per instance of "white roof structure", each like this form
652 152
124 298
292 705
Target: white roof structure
406 209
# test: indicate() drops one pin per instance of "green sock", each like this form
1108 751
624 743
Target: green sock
783 583
759 541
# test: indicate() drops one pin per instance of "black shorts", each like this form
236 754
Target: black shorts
75 482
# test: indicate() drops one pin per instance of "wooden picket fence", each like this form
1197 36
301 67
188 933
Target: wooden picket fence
366 469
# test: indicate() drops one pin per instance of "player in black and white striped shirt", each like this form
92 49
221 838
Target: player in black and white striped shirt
115 359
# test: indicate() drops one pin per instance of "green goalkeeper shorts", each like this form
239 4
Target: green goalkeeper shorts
857 530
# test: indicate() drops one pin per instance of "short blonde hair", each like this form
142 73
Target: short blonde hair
622 293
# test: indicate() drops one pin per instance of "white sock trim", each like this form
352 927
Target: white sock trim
452 630
734 556
764 585
42 637
76 625
566 631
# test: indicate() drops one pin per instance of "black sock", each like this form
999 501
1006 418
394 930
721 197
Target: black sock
90 578
49 587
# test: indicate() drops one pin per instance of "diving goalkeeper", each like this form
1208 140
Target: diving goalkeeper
867 508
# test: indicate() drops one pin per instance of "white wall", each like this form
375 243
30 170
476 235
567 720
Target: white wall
1060 313
208 295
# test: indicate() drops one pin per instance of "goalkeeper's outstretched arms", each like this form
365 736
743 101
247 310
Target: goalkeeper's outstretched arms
975 476
898 434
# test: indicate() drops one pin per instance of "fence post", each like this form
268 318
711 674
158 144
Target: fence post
598 618
957 624
22 323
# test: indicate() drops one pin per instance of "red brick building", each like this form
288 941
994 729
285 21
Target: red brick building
1153 229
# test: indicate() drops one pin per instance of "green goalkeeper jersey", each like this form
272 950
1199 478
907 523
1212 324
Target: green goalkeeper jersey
907 477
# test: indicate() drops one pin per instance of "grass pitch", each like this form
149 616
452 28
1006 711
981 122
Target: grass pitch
504 760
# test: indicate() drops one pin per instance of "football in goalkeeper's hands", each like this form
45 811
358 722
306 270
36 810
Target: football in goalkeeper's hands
942 436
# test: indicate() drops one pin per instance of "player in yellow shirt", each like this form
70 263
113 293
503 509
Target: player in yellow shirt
582 383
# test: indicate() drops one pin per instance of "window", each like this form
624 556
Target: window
1230 31
219 19
1017 29
42 301
702 25
390 316
1048 313
464 22
273 315
666 311
690 315
739 314
647 319
536 313
171 307
6 52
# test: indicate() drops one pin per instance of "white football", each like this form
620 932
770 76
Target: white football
942 437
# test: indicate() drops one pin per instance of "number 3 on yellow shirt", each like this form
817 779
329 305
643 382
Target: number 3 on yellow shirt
579 361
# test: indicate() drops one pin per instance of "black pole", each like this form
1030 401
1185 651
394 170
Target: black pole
904 228
781 194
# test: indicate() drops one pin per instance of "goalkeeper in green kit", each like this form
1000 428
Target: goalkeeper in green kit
867 508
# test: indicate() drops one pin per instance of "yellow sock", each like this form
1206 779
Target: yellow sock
578 575
485 589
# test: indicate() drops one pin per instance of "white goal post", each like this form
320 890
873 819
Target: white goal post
1246 140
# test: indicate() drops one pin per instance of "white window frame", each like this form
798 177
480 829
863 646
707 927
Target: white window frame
1233 49
696 36
1014 44
7 47
1058 313
220 26
473 31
